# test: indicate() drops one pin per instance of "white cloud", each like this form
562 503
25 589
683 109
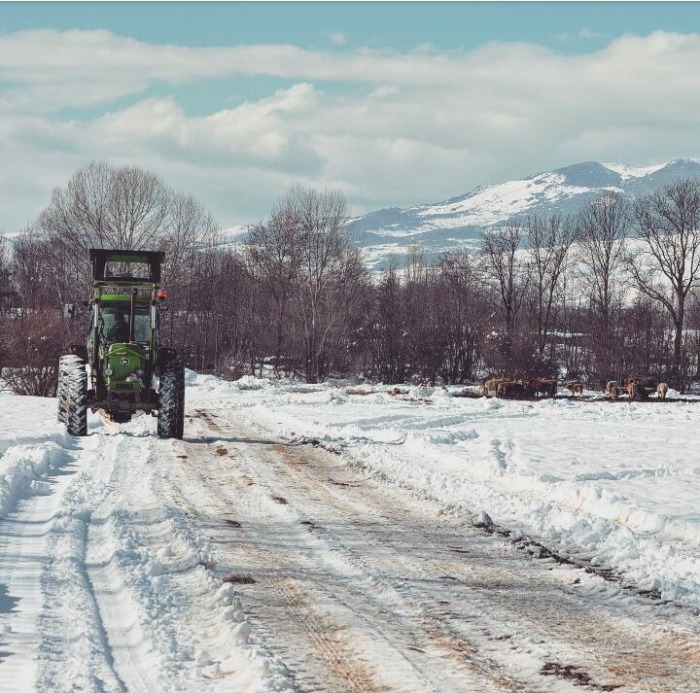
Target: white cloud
415 127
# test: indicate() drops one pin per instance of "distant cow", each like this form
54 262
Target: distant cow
510 389
661 390
613 389
575 388
636 391
639 387
543 386
491 386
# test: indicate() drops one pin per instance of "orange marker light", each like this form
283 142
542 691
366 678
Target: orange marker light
162 295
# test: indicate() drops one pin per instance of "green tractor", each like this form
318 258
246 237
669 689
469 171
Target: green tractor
124 368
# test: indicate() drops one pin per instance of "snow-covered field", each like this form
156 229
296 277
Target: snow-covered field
610 484
615 482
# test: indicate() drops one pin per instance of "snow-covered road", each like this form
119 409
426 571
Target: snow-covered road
254 557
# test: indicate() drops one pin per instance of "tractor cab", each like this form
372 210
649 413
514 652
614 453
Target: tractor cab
127 339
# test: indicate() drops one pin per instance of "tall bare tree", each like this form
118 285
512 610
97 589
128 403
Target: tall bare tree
274 250
7 292
505 268
303 257
461 314
602 229
107 207
386 330
667 264
189 234
549 241
327 261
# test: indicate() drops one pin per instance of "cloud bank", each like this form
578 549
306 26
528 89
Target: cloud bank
387 128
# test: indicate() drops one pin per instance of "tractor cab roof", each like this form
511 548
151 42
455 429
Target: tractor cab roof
126 267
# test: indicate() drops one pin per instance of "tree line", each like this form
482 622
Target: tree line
597 296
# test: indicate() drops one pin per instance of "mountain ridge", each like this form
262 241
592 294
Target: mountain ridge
458 221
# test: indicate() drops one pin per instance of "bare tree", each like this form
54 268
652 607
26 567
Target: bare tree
549 241
461 314
7 292
188 227
505 268
327 260
387 327
602 229
274 251
667 265
107 207
422 341
304 260
189 233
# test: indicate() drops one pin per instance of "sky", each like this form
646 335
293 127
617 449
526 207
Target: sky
392 103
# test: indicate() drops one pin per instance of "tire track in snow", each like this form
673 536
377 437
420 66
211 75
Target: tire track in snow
152 560
310 645
374 621
530 617
119 596
57 631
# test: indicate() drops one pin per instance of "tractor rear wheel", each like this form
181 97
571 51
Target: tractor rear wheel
171 400
73 399
62 388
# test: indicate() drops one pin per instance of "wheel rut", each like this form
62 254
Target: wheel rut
371 574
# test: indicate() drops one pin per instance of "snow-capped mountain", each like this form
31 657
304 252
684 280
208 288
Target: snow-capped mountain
458 222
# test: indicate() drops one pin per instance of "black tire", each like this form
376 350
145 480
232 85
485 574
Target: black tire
61 389
171 399
75 387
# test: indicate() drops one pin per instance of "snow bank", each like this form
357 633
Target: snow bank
31 447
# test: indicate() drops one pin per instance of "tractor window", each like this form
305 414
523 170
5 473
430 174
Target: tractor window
127 270
115 325
142 327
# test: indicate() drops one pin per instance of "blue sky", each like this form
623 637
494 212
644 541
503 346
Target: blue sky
397 25
393 103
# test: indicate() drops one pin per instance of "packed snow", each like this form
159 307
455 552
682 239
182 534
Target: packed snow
617 483
614 485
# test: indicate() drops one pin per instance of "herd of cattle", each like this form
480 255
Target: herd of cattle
637 389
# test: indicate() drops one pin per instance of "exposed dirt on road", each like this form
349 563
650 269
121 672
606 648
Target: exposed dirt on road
358 585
